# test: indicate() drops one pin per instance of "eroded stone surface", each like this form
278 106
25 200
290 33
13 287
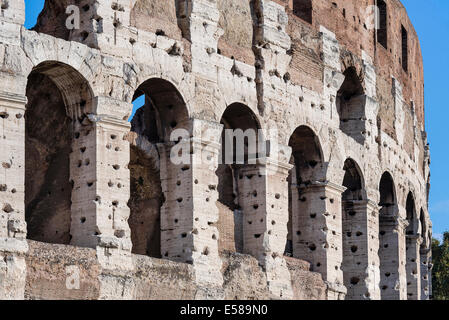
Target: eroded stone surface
351 142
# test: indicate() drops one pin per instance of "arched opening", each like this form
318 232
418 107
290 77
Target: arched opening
58 97
382 31
387 196
239 150
412 250
303 9
307 159
388 240
355 229
161 110
351 101
412 228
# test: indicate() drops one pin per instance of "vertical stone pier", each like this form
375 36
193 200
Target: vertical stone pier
361 262
263 195
392 268
13 243
317 232
189 214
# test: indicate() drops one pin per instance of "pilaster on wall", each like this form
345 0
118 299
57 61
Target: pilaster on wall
393 284
317 232
333 76
271 44
199 22
189 214
360 245
13 243
101 190
399 112
371 104
12 18
101 184
426 273
413 267
263 195
105 25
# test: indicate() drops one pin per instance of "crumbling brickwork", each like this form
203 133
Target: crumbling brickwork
336 207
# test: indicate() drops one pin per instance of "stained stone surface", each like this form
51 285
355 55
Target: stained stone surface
337 209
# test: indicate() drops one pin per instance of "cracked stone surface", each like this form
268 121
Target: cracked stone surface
338 209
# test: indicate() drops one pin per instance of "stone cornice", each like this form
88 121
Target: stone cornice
328 185
108 120
13 101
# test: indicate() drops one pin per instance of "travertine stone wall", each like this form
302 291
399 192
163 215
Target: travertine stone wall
151 278
323 84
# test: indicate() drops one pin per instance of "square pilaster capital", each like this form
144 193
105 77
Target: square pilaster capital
110 122
103 107
317 186
13 101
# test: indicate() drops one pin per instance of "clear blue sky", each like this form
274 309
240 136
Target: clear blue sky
431 21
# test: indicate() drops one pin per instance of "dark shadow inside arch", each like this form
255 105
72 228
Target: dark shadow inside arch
57 97
352 181
351 102
163 111
387 196
230 226
411 215
307 161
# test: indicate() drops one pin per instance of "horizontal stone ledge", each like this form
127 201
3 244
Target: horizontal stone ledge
13 245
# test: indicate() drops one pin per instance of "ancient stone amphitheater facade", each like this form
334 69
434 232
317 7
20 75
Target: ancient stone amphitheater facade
93 207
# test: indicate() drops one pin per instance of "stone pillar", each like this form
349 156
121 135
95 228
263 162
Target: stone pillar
399 111
13 243
393 284
426 273
413 267
360 242
317 232
189 214
101 189
100 177
12 17
263 198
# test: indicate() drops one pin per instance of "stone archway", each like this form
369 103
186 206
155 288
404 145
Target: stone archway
308 165
56 122
163 112
236 204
